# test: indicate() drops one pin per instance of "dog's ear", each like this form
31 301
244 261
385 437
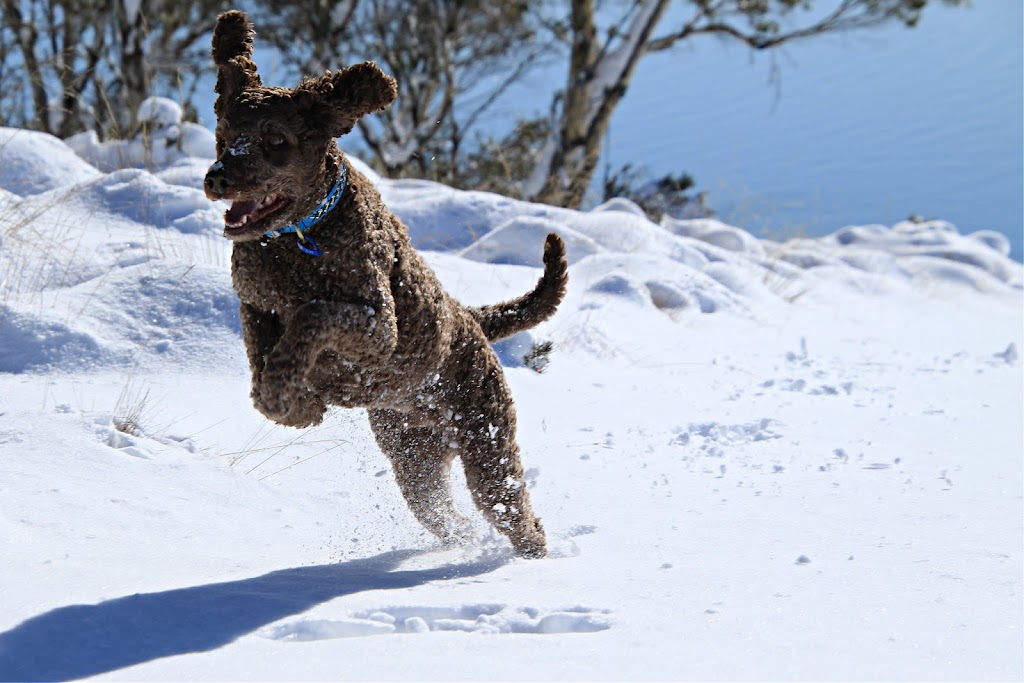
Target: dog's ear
337 101
232 53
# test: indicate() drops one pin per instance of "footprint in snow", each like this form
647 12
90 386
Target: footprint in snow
474 618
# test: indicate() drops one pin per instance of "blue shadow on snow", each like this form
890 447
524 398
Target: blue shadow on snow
86 640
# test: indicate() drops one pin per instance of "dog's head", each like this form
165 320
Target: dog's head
273 143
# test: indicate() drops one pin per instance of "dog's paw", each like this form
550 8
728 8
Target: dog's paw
458 533
306 410
530 543
271 400
531 548
277 387
294 408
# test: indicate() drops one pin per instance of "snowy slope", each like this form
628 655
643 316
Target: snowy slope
754 460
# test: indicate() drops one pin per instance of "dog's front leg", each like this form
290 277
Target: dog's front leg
261 332
362 334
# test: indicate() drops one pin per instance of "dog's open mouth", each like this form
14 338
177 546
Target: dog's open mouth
246 215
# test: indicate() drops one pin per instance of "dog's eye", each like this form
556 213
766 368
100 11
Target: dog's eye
275 141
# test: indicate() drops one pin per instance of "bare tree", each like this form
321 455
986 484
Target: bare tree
602 64
72 65
311 35
452 60
58 56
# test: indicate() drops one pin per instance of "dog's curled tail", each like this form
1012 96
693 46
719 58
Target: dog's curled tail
509 317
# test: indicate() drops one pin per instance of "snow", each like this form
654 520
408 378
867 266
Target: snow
754 460
159 111
164 140
36 162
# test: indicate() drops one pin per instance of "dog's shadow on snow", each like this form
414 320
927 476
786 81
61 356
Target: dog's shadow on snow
87 640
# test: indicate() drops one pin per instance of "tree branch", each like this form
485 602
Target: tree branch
844 17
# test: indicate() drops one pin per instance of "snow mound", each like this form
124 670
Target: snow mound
164 139
179 311
35 162
621 204
160 112
132 199
445 219
517 242
143 198
654 282
153 311
699 266
188 172
38 342
929 250
628 233
717 233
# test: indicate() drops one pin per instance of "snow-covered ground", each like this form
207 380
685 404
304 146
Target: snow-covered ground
754 460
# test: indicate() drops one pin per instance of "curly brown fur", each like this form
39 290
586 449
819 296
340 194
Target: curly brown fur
508 318
367 324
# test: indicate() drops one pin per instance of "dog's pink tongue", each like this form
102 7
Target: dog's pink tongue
238 211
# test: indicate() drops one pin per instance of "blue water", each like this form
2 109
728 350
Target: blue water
859 128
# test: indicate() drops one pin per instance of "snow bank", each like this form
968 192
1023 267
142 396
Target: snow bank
445 219
40 342
164 139
35 162
515 242
87 277
925 246
700 266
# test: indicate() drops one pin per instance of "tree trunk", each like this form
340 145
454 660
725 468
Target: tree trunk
134 73
598 80
70 103
26 35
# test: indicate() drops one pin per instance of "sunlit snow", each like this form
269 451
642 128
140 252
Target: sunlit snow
753 459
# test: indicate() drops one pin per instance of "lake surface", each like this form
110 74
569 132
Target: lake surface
865 127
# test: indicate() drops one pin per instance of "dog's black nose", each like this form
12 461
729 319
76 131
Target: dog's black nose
217 183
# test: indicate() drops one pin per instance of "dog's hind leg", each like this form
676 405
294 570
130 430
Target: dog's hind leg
485 435
495 478
422 466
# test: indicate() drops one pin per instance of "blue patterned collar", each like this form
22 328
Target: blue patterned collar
305 242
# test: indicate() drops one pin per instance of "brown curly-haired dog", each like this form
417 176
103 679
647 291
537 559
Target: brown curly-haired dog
346 313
